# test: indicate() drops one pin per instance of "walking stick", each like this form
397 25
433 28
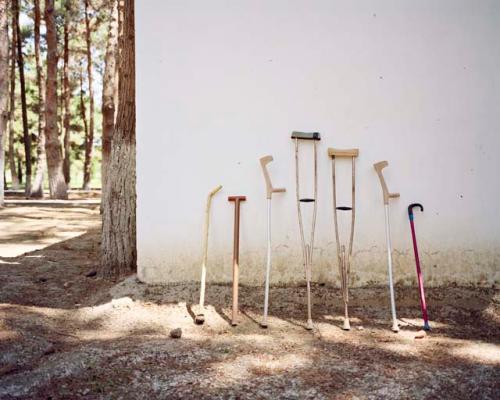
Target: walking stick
200 317
420 279
236 254
270 190
307 249
387 195
343 260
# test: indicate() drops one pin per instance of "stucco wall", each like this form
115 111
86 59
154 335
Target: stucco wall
222 83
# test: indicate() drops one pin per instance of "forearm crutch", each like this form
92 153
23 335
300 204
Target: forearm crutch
344 260
420 279
270 190
236 255
387 195
200 317
307 249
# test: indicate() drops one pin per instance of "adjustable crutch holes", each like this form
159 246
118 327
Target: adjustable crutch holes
343 259
307 248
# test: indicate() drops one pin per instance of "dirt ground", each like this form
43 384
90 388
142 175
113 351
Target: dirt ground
66 335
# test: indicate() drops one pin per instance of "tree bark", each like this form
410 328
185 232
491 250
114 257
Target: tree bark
83 110
109 91
4 90
57 184
41 166
89 140
67 99
24 106
119 254
12 160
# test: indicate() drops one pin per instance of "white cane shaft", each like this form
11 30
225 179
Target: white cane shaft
389 264
268 267
203 280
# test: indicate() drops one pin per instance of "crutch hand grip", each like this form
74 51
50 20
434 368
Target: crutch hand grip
269 186
387 195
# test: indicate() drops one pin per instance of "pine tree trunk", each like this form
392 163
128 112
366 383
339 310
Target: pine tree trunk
4 90
41 166
67 100
83 110
12 160
109 91
24 106
119 254
89 140
57 184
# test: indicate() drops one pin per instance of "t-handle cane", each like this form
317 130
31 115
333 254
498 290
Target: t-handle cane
236 254
388 195
420 279
270 190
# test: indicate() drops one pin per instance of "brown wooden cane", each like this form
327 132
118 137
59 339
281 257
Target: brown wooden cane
236 254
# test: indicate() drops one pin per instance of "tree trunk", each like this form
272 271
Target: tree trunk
41 166
12 160
89 140
4 90
67 99
57 184
109 92
83 110
119 254
24 106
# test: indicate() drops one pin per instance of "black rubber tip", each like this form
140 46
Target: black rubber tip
306 135
307 200
344 208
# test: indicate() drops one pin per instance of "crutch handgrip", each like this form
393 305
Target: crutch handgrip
343 153
269 186
387 195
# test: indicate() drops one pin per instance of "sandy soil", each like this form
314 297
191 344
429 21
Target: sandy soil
66 335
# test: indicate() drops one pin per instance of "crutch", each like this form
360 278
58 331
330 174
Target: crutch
270 190
387 195
343 260
307 249
200 317
236 254
417 261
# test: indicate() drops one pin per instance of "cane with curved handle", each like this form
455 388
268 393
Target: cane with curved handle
420 278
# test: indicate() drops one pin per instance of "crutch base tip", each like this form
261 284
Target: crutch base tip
234 323
199 319
346 326
427 327
263 325
395 328
309 325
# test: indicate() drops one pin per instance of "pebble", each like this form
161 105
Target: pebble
176 333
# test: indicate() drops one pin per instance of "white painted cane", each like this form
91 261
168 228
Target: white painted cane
388 195
395 326
270 190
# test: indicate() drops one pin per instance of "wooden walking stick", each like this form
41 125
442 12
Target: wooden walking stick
236 254
388 195
270 190
200 317
344 260
307 248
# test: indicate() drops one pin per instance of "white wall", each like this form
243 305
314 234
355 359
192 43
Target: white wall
222 83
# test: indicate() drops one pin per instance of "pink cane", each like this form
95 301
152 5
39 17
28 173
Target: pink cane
419 271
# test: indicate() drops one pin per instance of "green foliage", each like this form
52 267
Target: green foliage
73 10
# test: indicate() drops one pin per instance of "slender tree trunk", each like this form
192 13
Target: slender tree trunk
89 140
109 92
57 184
4 90
67 100
41 166
24 106
12 160
119 254
83 110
